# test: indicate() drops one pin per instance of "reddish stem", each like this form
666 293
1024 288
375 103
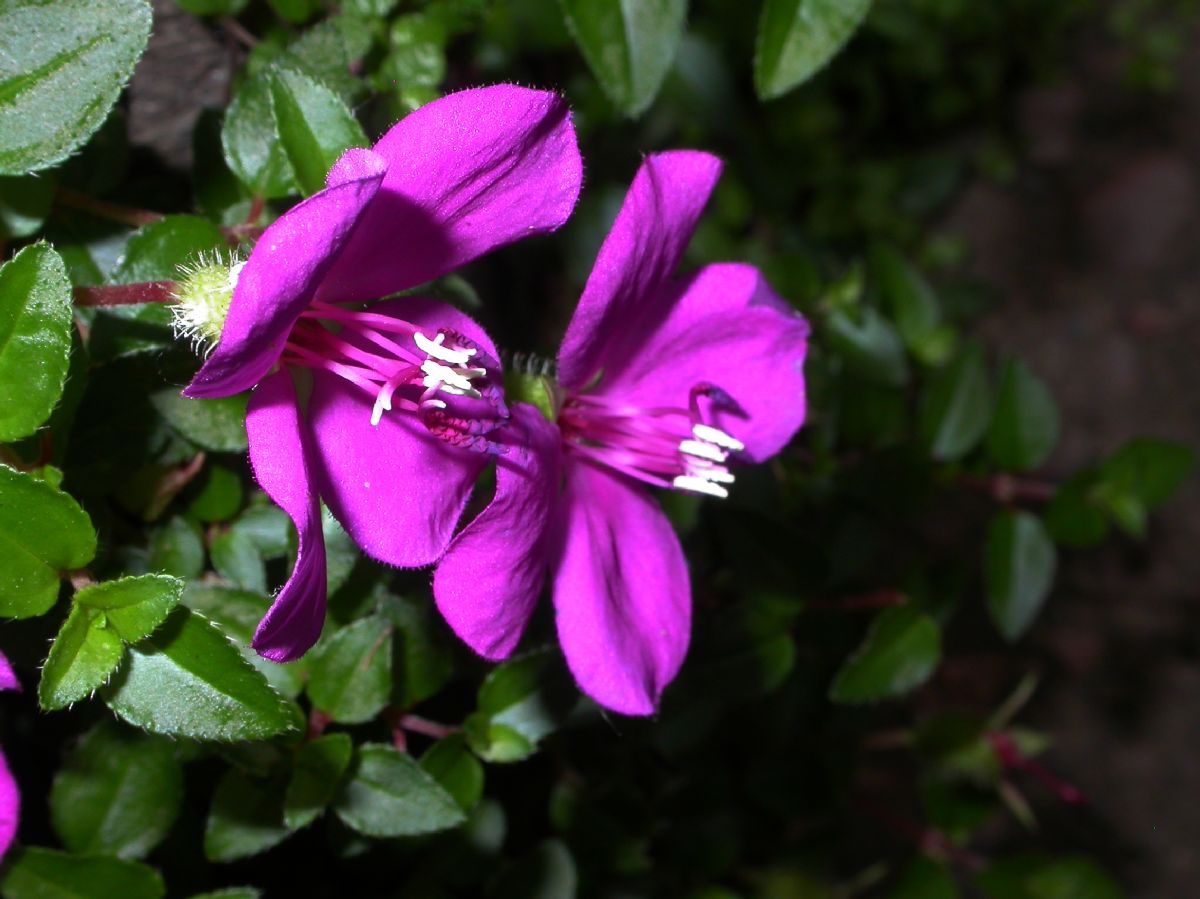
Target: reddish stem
126 215
878 599
427 728
317 722
126 294
1011 757
1007 489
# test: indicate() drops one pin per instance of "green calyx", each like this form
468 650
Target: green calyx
202 296
537 389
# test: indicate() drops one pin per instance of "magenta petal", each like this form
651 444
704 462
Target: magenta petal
641 251
282 274
729 329
490 579
10 806
467 173
8 678
621 591
281 458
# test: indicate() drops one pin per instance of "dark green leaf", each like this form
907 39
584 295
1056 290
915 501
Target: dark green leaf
231 893
629 45
133 606
416 56
295 11
427 663
118 793
1019 569
315 127
188 680
869 346
316 775
351 674
899 653
24 204
216 424
62 66
925 879
251 141
546 872
37 873
44 534
957 406
219 494
1075 517
157 250
35 337
177 548
1141 476
246 817
1024 425
909 299
82 658
213 7
388 795
449 763
1038 877
520 702
796 38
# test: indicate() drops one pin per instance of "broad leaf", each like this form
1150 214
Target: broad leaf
520 702
246 817
37 873
62 66
628 44
157 250
118 793
35 337
177 548
389 795
899 653
1041 877
315 127
449 763
316 774
188 680
251 141
133 606
214 424
1024 425
796 38
82 658
43 534
957 406
351 674
1020 560
869 346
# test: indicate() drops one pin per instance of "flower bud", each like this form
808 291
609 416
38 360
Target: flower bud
202 296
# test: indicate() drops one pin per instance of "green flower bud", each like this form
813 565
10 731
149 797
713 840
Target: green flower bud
202 296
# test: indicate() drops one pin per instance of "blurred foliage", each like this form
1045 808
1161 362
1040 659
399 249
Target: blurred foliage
788 759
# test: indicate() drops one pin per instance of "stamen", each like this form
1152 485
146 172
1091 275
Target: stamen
702 450
700 485
434 349
709 434
456 381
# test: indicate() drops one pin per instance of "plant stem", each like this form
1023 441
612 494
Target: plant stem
125 294
126 215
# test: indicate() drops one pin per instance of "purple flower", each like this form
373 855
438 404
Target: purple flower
663 383
390 387
10 797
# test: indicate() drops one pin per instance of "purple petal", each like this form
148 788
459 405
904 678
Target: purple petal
621 591
10 806
641 251
466 174
397 490
726 327
491 577
281 457
8 678
282 274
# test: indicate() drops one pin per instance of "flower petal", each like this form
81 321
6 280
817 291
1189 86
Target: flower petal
467 173
8 678
622 596
10 806
489 580
725 327
282 274
641 251
281 457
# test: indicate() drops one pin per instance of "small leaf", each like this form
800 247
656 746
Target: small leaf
62 66
388 795
925 878
1020 560
1030 876
449 763
628 45
188 680
37 873
351 674
24 204
315 127
133 606
899 653
910 300
869 346
1150 469
216 424
246 818
44 534
177 548
796 38
219 494
251 141
957 406
118 793
316 774
82 658
1024 425
520 702
35 337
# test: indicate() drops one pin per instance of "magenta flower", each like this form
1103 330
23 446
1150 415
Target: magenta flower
392 386
663 383
10 797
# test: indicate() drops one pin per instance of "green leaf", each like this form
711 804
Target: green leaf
219 494
316 774
957 406
62 66
416 56
37 873
1144 473
899 653
1019 563
251 141
214 424
1075 517
351 674
909 299
629 45
188 680
213 7
315 127
24 204
35 337
118 793
870 346
796 38
1039 877
1024 425
133 606
389 795
246 817
231 893
427 663
924 878
177 548
82 658
520 702
449 763
43 534
156 251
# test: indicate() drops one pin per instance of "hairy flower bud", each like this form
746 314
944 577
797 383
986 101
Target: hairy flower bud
202 296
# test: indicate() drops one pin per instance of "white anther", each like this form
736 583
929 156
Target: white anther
383 403
716 475
702 450
434 349
717 437
700 485
456 381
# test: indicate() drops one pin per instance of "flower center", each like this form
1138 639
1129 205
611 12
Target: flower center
665 446
405 370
